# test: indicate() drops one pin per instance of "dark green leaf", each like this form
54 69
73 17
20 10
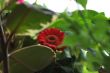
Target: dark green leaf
30 59
24 19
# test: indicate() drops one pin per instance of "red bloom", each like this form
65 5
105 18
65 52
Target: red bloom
51 37
20 1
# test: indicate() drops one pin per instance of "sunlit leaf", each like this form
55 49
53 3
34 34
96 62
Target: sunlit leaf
82 2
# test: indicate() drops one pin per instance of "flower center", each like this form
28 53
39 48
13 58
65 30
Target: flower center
52 39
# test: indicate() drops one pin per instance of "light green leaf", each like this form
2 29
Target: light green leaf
82 2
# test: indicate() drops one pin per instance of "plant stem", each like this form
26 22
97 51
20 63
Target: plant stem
5 63
4 48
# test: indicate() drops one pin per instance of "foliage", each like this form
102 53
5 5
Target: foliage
86 40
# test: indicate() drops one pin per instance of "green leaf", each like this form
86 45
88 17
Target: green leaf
94 61
61 24
30 59
100 27
106 59
7 4
1 4
82 2
25 18
85 70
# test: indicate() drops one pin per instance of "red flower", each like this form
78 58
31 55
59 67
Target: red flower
51 37
20 1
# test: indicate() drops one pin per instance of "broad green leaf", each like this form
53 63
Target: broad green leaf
82 17
94 61
82 2
100 27
106 59
30 59
96 22
85 70
70 40
7 4
61 24
1 4
73 24
25 18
